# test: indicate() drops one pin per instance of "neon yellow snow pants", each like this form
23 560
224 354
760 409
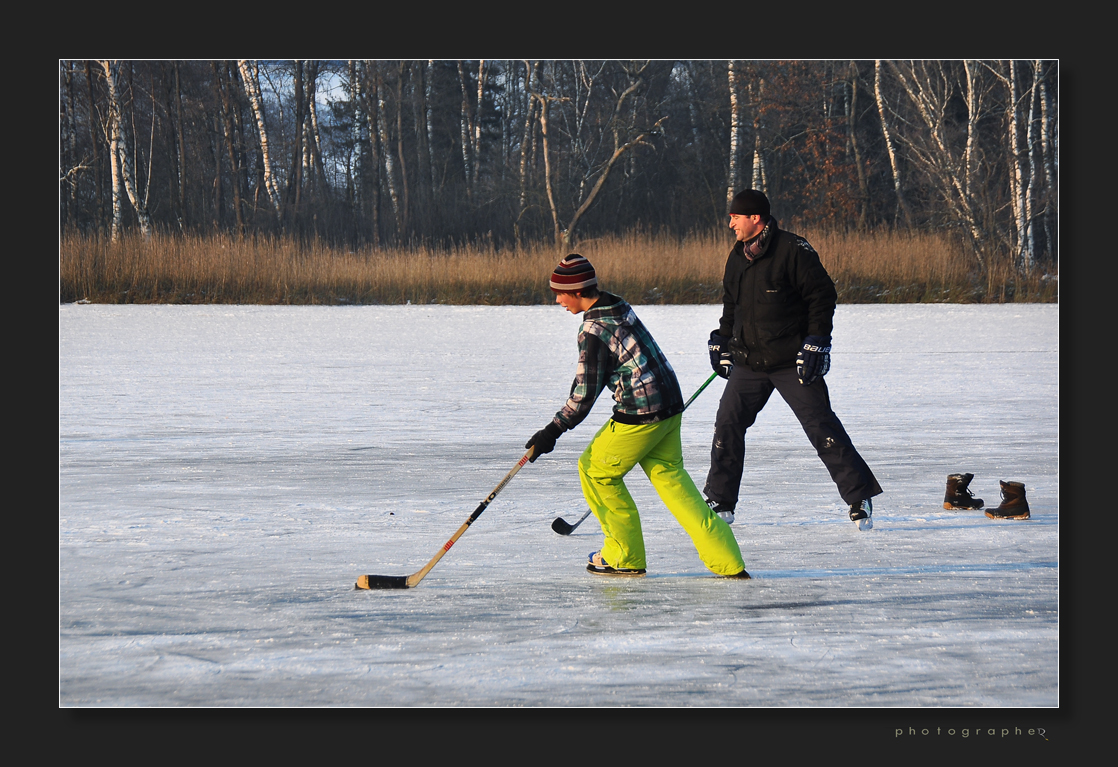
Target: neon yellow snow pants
614 451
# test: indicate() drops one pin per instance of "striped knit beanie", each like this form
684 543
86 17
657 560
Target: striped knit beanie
574 273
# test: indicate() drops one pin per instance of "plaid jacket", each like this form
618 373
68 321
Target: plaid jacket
615 350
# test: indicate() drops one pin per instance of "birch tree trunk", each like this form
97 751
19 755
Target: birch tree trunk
890 148
293 193
530 86
974 108
466 130
930 89
1049 145
117 226
974 113
250 76
386 148
734 178
1017 170
527 139
759 180
314 134
359 136
476 148
430 120
122 148
1034 171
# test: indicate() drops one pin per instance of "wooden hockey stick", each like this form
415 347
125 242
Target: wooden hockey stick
411 581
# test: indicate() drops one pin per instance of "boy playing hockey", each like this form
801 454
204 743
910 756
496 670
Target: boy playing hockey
617 351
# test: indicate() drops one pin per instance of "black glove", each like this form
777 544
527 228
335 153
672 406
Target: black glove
721 361
543 440
814 359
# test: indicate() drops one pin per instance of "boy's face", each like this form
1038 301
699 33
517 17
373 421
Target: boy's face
573 302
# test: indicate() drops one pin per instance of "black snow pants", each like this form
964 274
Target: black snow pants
743 398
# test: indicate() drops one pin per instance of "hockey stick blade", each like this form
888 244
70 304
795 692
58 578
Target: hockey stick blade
381 582
410 581
563 527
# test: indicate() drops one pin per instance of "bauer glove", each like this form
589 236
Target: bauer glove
543 440
721 361
814 359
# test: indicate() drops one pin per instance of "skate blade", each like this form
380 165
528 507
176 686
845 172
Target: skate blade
865 524
615 573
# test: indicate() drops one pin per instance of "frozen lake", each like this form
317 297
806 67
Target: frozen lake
226 473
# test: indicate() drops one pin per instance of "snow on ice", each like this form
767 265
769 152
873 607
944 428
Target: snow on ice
226 473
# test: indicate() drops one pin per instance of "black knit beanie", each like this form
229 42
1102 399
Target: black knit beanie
750 203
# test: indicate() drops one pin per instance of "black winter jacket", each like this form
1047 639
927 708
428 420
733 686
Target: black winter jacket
770 304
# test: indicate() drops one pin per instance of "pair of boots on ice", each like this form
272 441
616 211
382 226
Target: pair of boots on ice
958 497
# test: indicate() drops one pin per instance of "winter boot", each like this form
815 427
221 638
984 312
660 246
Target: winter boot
1014 505
957 495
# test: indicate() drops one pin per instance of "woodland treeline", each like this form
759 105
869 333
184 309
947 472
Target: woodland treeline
360 153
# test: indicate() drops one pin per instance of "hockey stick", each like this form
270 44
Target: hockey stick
411 581
563 527
706 383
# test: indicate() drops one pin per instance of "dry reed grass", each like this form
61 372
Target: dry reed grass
645 268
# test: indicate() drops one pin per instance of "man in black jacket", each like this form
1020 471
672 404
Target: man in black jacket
775 333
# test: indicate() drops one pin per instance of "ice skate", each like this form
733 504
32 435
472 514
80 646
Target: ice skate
861 514
722 510
599 566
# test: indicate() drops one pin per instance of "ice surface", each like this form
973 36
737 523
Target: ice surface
226 473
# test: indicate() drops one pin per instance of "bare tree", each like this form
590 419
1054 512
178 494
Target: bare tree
884 113
122 154
1049 145
466 129
250 77
381 131
930 87
549 149
223 86
1019 184
760 179
592 175
531 78
313 131
851 108
734 185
